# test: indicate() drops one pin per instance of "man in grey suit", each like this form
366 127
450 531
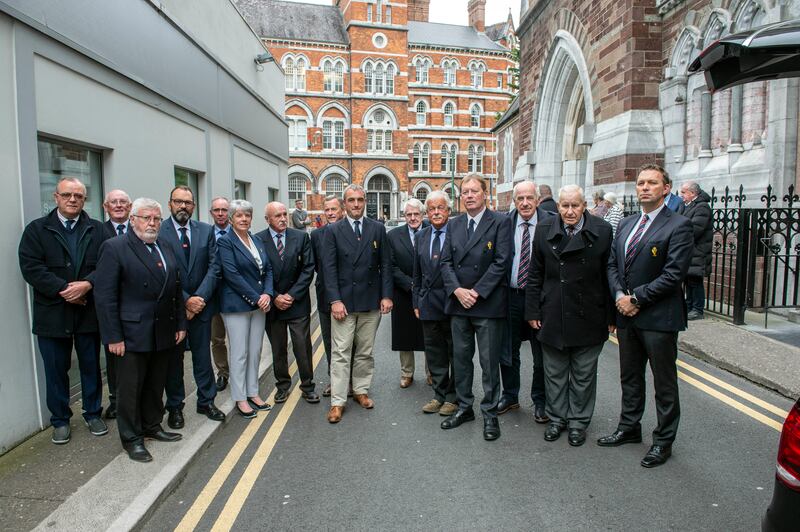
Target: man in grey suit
646 270
194 247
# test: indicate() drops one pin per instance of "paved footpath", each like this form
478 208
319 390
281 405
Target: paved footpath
393 468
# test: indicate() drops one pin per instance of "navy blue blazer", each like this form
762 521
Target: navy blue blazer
657 273
359 274
317 244
137 302
200 276
293 274
481 263
428 293
243 282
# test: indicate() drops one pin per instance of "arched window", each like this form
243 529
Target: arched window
471 159
288 69
300 74
479 160
380 183
476 71
415 159
422 113
297 188
421 194
298 135
368 77
369 12
449 157
421 66
475 115
379 132
390 79
475 159
338 77
449 111
379 11
378 82
334 185
449 73
388 14
327 75
425 157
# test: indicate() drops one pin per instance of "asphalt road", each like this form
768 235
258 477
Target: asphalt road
393 468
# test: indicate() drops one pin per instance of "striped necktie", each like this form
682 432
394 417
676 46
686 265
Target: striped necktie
634 242
524 256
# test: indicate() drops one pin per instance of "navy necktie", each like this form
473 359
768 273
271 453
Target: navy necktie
436 248
185 243
69 224
357 224
471 229
121 229
156 257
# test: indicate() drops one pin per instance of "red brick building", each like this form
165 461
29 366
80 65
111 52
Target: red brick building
379 96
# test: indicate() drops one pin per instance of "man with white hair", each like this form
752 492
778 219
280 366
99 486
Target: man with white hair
142 318
407 335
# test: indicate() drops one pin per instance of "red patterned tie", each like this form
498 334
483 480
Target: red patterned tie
279 236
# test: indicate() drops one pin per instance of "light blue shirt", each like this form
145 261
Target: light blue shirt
352 221
441 238
275 237
218 231
178 227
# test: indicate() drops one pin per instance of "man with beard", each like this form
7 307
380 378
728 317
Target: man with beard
428 299
219 351
142 319
407 334
118 208
194 247
289 252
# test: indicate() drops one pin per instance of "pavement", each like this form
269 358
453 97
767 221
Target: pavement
90 484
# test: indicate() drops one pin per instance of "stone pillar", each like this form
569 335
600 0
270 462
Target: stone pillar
705 125
735 145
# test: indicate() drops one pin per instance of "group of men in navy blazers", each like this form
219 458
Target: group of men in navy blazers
153 281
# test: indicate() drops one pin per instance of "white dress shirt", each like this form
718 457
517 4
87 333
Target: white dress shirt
518 244
477 219
178 227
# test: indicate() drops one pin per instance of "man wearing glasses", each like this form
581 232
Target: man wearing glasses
57 256
194 247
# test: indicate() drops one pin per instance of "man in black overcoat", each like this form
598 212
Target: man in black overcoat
696 207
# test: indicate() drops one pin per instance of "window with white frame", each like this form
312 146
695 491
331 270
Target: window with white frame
421 194
475 159
298 135
297 188
333 75
379 131
422 113
327 135
378 11
327 75
449 158
449 112
421 66
295 73
449 67
476 71
388 16
415 158
288 70
378 81
334 185
390 79
421 159
338 77
379 77
500 81
369 12
475 115
338 135
368 73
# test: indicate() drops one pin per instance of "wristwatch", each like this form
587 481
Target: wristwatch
634 300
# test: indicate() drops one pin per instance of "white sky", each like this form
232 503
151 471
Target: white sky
455 11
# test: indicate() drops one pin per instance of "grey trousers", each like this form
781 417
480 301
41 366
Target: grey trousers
246 337
490 333
357 328
570 381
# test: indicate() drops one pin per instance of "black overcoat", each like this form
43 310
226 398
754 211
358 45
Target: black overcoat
699 213
567 283
406 328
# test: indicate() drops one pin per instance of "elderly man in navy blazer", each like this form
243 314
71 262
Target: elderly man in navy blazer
358 277
475 271
428 298
289 252
142 319
194 247
647 267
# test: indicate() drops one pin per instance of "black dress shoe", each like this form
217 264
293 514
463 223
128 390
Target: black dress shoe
162 435
462 416
311 397
281 396
553 432
222 382
505 404
491 428
211 412
256 406
539 415
657 455
175 419
577 437
137 452
111 412
620 438
247 415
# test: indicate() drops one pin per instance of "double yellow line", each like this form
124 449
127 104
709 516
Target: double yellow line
716 392
233 505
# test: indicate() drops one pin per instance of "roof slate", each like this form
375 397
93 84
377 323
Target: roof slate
450 35
510 113
278 19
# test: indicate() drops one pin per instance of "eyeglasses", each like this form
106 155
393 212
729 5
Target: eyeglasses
180 202
148 219
67 195
118 202
219 211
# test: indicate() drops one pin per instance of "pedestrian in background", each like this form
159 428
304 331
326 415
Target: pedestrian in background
546 201
600 206
568 302
697 209
219 350
57 257
245 298
300 216
615 211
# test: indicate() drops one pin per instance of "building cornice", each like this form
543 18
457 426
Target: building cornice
455 49
289 43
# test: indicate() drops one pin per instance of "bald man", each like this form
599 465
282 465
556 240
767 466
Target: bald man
289 252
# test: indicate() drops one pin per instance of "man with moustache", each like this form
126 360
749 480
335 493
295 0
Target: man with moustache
289 252
142 319
525 218
194 247
475 268
407 334
333 208
219 350
57 257
647 267
357 264
428 299
118 208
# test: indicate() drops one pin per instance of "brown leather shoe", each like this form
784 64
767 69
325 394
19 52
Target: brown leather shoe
335 414
364 400
448 409
405 382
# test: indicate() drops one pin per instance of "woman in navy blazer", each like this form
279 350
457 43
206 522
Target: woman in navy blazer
245 296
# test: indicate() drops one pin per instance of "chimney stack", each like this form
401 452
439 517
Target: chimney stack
477 14
418 10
